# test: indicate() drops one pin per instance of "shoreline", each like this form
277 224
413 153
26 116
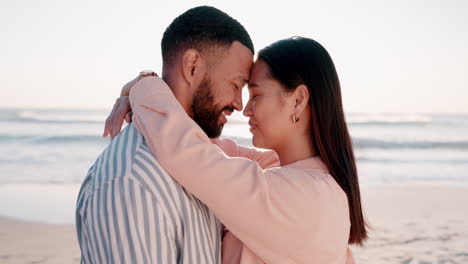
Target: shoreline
41 203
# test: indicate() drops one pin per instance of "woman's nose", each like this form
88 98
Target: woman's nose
247 110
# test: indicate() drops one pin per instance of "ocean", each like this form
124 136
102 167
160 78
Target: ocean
45 154
58 146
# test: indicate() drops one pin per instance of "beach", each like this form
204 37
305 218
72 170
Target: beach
412 169
412 223
31 242
396 69
416 223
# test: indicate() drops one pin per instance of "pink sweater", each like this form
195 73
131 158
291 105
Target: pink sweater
291 214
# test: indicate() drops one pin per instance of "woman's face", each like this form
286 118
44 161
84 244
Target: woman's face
269 109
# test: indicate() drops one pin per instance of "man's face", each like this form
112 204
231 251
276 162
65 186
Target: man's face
220 92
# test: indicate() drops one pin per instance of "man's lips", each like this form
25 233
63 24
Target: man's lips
223 115
226 112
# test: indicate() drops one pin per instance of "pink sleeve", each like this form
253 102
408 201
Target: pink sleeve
264 158
349 256
237 190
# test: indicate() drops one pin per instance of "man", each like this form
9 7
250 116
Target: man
129 210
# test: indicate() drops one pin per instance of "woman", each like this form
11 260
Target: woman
307 210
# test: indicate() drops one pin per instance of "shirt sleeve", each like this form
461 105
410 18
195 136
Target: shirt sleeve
236 189
123 225
264 158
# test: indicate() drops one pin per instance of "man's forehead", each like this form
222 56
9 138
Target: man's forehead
241 72
243 58
241 76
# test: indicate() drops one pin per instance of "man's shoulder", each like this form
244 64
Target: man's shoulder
127 152
124 147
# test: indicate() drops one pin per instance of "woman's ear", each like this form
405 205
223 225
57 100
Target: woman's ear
192 66
302 99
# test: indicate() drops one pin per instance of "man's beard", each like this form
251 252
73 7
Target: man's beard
205 112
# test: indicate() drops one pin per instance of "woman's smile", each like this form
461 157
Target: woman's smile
252 126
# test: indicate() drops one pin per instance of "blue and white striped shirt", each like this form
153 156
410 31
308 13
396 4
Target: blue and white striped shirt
129 210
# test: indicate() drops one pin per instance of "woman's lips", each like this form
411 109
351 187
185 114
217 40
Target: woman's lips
252 126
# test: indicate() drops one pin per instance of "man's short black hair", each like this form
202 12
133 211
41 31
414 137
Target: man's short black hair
200 28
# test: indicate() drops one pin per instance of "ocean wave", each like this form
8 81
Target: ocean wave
59 116
53 116
407 120
364 143
390 123
35 139
361 143
388 119
71 117
412 161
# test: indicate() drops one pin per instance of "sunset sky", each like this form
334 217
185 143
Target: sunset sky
391 56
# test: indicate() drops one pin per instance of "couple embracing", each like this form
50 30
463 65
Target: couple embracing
168 189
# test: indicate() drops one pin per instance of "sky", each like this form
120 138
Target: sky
391 56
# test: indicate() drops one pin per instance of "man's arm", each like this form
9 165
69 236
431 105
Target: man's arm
124 224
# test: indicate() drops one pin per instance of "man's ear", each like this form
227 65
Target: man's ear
192 66
302 96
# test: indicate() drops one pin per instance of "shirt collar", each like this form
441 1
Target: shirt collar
313 163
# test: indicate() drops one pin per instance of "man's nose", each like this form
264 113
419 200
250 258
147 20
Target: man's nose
238 103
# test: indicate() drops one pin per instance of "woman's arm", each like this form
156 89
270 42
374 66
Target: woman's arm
242 195
264 158
183 148
123 111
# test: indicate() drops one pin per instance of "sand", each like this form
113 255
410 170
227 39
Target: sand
412 223
29 242
425 223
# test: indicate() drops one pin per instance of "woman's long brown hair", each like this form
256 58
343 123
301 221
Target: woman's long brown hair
297 61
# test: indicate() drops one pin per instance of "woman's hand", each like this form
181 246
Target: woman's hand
122 109
127 87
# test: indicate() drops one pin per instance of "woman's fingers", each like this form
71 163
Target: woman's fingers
128 117
115 120
108 123
119 115
106 130
122 110
128 86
